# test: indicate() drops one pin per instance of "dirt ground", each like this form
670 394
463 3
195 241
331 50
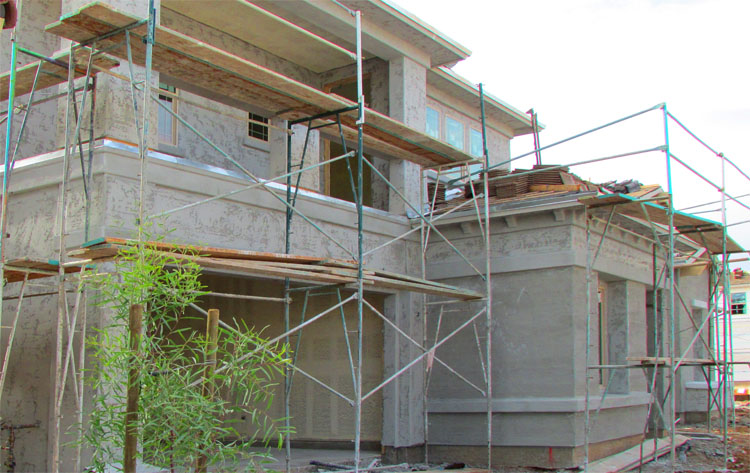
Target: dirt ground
705 453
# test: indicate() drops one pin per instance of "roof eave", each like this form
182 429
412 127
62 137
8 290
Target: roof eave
452 50
521 122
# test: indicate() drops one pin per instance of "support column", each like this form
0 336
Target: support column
407 84
403 424
277 148
617 327
114 103
277 153
655 328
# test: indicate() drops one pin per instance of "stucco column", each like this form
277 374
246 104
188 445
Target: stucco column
277 156
114 104
655 323
407 84
403 401
277 148
403 416
618 309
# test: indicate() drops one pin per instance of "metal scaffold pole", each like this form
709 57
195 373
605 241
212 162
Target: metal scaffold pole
62 306
287 285
6 168
487 277
423 268
671 277
143 144
726 309
360 252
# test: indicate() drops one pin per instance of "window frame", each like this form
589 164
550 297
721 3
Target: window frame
166 99
256 131
475 132
428 109
463 132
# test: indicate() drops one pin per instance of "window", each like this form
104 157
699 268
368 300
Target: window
167 124
476 147
432 123
739 303
255 127
454 133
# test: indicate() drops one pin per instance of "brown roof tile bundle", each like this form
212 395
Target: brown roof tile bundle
479 183
547 176
436 193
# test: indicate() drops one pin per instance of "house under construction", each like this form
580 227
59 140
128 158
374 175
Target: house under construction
357 198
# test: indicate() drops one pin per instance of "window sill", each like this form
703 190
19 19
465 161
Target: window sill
254 143
169 148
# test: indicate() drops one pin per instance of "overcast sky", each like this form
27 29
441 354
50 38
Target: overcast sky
583 63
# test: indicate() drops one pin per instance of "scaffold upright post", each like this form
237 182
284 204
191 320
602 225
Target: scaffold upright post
360 249
6 163
287 284
488 275
143 145
671 286
726 309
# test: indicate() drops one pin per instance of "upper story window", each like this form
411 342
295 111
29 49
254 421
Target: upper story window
739 303
432 123
454 133
166 123
476 148
256 128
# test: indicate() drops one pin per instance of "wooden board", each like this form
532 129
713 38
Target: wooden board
229 75
16 270
51 74
665 360
288 41
630 458
109 246
554 187
275 265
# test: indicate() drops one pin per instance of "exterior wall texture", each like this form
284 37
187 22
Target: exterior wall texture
33 226
539 340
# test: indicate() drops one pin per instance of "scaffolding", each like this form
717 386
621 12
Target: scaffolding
142 42
134 40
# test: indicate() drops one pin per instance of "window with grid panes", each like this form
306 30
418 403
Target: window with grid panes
257 130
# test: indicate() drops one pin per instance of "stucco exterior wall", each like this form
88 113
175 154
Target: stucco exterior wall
254 220
539 337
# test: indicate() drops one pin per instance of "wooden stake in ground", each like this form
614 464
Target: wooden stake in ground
135 325
212 335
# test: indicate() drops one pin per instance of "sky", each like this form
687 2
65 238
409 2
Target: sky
584 63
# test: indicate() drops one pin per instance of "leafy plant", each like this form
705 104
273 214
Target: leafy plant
179 421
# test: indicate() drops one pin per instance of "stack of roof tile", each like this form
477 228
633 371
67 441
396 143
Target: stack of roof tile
436 193
547 176
512 186
479 183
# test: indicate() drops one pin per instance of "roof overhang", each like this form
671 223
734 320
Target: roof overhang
388 31
496 111
704 232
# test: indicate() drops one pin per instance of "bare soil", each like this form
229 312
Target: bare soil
704 452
